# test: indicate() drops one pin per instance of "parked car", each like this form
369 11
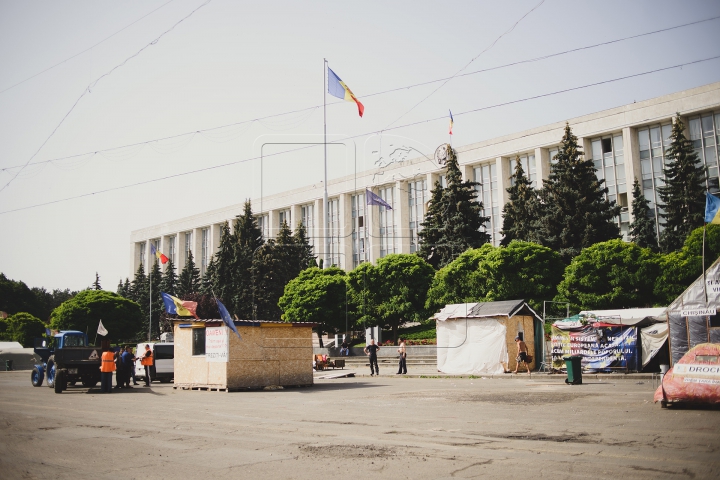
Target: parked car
163 367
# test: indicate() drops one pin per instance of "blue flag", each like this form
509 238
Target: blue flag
48 332
225 315
372 199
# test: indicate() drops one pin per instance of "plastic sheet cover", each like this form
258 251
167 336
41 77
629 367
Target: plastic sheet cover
694 378
652 338
471 346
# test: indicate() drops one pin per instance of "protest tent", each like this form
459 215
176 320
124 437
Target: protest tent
475 338
692 317
210 356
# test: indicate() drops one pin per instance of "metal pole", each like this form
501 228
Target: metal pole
150 307
703 267
326 213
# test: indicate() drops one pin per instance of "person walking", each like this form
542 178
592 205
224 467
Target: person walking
371 351
402 363
522 355
107 367
147 361
128 364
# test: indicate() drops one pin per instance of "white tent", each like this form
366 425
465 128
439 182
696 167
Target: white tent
472 338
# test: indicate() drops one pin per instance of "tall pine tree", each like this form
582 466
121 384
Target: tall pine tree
248 241
189 279
457 217
683 195
209 280
432 227
169 279
154 279
521 212
642 228
139 288
574 210
304 251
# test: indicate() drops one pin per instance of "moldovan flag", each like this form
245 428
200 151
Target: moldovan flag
712 209
101 329
175 306
163 259
337 88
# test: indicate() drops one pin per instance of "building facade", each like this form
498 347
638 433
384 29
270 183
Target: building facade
625 143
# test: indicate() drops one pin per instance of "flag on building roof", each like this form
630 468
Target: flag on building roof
175 306
372 199
337 88
101 329
225 315
712 208
451 122
163 259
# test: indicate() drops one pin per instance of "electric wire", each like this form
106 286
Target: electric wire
519 62
86 50
93 84
236 162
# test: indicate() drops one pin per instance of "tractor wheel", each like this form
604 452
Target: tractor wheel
89 382
60 381
51 371
36 377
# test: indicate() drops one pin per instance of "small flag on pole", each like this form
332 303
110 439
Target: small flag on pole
48 332
101 329
225 315
337 88
175 306
163 259
451 122
372 199
712 208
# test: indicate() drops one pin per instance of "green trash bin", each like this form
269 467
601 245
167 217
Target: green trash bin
8 365
574 369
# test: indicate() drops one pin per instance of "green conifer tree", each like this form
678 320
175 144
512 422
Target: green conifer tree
304 251
574 210
225 256
209 280
460 213
189 279
521 212
121 288
139 287
169 279
432 227
642 228
249 240
154 279
683 195
96 283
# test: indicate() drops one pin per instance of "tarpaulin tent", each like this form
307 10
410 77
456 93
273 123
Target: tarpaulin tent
695 378
475 338
692 318
606 339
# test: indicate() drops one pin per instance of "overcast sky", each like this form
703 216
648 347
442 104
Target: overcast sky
232 62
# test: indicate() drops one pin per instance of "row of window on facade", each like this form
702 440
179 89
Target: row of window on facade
607 153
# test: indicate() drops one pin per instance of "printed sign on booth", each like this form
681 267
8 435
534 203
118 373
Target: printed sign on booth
217 342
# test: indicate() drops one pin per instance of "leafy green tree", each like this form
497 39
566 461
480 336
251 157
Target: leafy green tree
521 212
317 296
189 279
46 302
683 195
122 318
457 282
432 227
16 297
404 280
24 328
457 216
169 279
642 228
363 289
610 275
575 213
521 270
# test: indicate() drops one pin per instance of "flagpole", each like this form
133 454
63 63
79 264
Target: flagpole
703 265
150 308
326 213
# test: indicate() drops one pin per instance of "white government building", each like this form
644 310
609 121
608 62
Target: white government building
625 143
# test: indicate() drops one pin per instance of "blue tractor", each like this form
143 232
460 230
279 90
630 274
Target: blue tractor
66 359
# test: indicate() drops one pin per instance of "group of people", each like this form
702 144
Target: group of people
122 362
372 349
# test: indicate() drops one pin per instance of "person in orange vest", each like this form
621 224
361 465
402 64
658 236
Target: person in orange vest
107 367
147 361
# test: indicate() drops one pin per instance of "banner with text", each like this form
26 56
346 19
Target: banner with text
217 344
602 348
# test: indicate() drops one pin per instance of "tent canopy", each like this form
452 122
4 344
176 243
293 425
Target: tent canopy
627 316
505 308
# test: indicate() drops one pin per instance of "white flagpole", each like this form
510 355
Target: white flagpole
150 306
326 213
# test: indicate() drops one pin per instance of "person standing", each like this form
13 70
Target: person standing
371 351
147 361
132 368
402 364
128 364
119 369
107 367
522 355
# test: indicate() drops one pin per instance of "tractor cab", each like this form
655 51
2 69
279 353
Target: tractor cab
45 347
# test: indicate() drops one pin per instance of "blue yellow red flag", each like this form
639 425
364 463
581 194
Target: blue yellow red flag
175 306
337 88
451 122
712 209
163 259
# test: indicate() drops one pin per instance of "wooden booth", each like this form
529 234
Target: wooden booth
208 355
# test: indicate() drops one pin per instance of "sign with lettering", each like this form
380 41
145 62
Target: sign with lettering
217 344
699 312
601 348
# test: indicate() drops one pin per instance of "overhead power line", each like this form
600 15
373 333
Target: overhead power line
396 89
236 162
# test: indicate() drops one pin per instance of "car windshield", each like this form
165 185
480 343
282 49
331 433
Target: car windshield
74 341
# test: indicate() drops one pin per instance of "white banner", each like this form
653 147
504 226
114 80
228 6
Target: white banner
697 369
699 312
217 344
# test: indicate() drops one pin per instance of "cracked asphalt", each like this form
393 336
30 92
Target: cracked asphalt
352 427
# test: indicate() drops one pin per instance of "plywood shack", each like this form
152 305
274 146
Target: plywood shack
208 355
479 338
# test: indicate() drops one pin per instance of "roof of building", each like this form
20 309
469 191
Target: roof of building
505 308
240 323
627 316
